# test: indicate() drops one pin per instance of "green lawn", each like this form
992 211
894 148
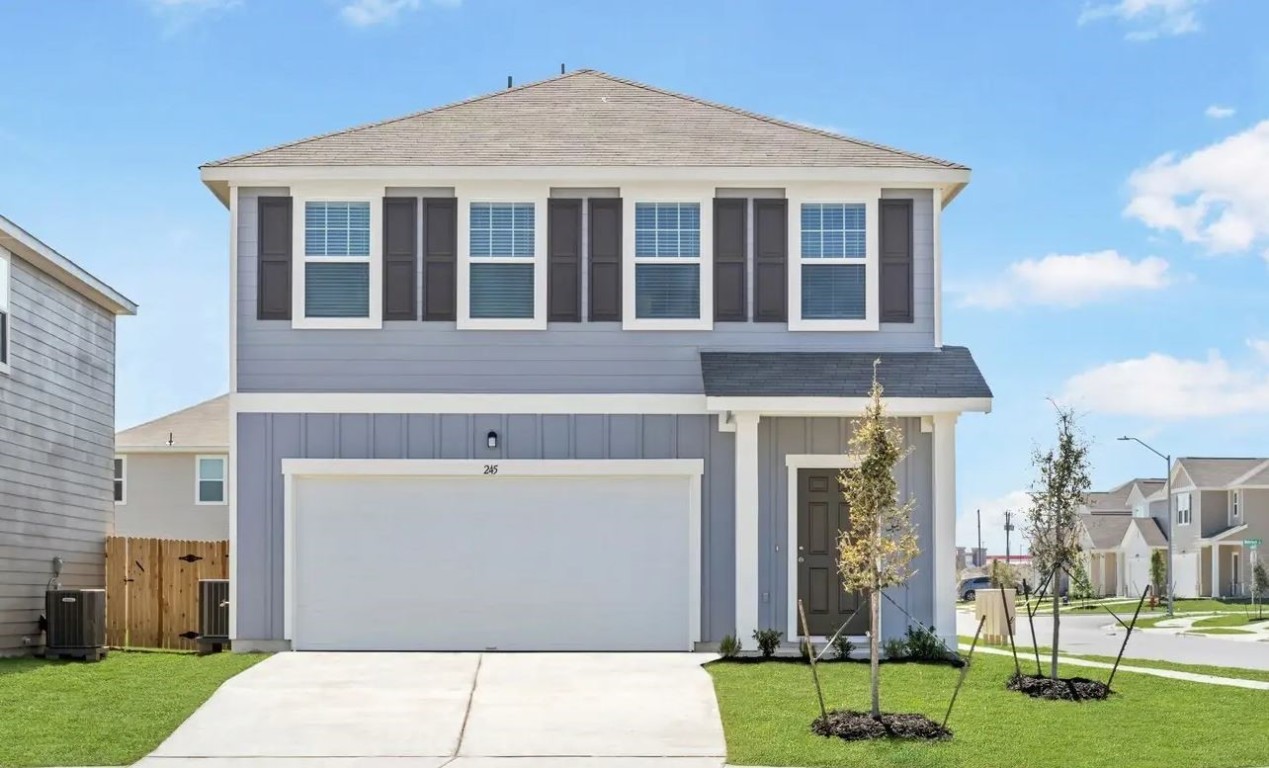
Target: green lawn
767 710
111 712
1028 660
1230 620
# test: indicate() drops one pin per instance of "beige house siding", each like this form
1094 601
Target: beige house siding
159 500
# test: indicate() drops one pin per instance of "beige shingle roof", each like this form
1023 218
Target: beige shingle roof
1216 472
1106 531
1150 531
585 118
205 425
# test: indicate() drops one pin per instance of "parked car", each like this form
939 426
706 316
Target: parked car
968 588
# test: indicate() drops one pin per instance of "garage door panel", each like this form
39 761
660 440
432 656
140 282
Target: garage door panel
513 563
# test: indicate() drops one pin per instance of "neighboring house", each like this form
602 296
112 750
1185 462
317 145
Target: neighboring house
1119 530
573 365
57 409
1221 504
172 475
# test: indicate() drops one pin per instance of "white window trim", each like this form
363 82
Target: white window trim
6 307
301 195
533 193
850 195
1235 504
224 479
702 196
122 479
1183 511
691 470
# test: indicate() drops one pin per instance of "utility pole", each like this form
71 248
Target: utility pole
1008 530
979 550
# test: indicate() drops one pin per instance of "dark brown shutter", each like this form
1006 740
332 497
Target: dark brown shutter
605 259
273 259
400 258
730 240
440 258
564 260
770 261
896 261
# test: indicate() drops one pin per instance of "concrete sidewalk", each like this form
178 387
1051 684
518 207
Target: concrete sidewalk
1233 682
427 710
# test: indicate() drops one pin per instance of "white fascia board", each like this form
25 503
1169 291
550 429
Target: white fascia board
169 449
419 402
837 406
30 249
505 467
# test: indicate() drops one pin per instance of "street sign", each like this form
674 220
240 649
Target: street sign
1252 543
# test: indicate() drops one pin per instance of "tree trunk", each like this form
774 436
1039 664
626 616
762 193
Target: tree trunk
874 649
1057 588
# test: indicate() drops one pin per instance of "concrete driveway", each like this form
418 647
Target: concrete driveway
426 710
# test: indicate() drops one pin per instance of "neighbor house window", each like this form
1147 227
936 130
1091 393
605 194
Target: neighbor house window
121 464
501 284
1183 509
4 313
210 480
1235 504
834 249
667 261
336 259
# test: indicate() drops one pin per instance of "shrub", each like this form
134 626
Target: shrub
1003 575
804 648
768 641
730 647
895 648
923 644
842 644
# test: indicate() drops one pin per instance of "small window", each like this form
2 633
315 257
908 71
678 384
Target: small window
1235 504
4 312
210 481
501 269
834 276
667 261
337 259
1183 509
120 475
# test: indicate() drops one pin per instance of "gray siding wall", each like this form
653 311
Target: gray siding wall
1215 512
56 448
265 439
411 356
160 501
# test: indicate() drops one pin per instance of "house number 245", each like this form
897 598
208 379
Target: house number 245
491 469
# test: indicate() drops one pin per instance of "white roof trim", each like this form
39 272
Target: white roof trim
836 406
132 449
1220 537
32 250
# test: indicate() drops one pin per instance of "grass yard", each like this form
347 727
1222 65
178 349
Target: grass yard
1230 620
111 712
1028 659
767 710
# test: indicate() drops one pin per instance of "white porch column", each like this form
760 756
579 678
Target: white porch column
945 527
746 526
1216 570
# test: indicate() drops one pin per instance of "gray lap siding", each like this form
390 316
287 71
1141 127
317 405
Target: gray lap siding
264 440
586 357
56 448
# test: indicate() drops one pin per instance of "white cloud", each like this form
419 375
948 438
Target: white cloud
813 126
1260 347
1069 280
1215 196
368 13
1148 19
1166 387
993 516
1217 112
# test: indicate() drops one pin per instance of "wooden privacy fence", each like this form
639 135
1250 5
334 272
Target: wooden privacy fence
152 589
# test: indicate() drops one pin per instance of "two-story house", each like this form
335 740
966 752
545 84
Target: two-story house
57 411
1221 504
573 365
1120 530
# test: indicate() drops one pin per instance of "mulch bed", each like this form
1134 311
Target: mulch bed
856 726
1064 689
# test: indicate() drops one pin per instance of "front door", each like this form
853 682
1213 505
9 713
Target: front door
822 515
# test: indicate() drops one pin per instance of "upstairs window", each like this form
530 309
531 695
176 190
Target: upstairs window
121 464
336 259
502 238
834 273
1236 504
1183 509
4 312
667 261
210 479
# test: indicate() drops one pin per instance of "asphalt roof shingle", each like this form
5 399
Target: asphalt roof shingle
585 118
205 425
1106 531
949 372
1216 472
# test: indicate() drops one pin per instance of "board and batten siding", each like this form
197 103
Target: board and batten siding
57 409
264 440
586 357
160 502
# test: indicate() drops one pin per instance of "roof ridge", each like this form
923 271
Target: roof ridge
391 120
170 415
774 120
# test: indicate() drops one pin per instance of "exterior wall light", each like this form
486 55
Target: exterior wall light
492 439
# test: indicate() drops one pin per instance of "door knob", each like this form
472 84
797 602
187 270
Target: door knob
801 559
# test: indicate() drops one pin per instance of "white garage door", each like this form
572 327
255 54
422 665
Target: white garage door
476 563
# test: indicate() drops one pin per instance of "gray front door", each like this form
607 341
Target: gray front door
822 515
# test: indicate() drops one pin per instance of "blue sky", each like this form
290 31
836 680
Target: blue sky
1112 250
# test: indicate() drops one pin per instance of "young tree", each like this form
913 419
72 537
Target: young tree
1003 575
1057 492
1158 574
876 550
1081 585
1260 585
